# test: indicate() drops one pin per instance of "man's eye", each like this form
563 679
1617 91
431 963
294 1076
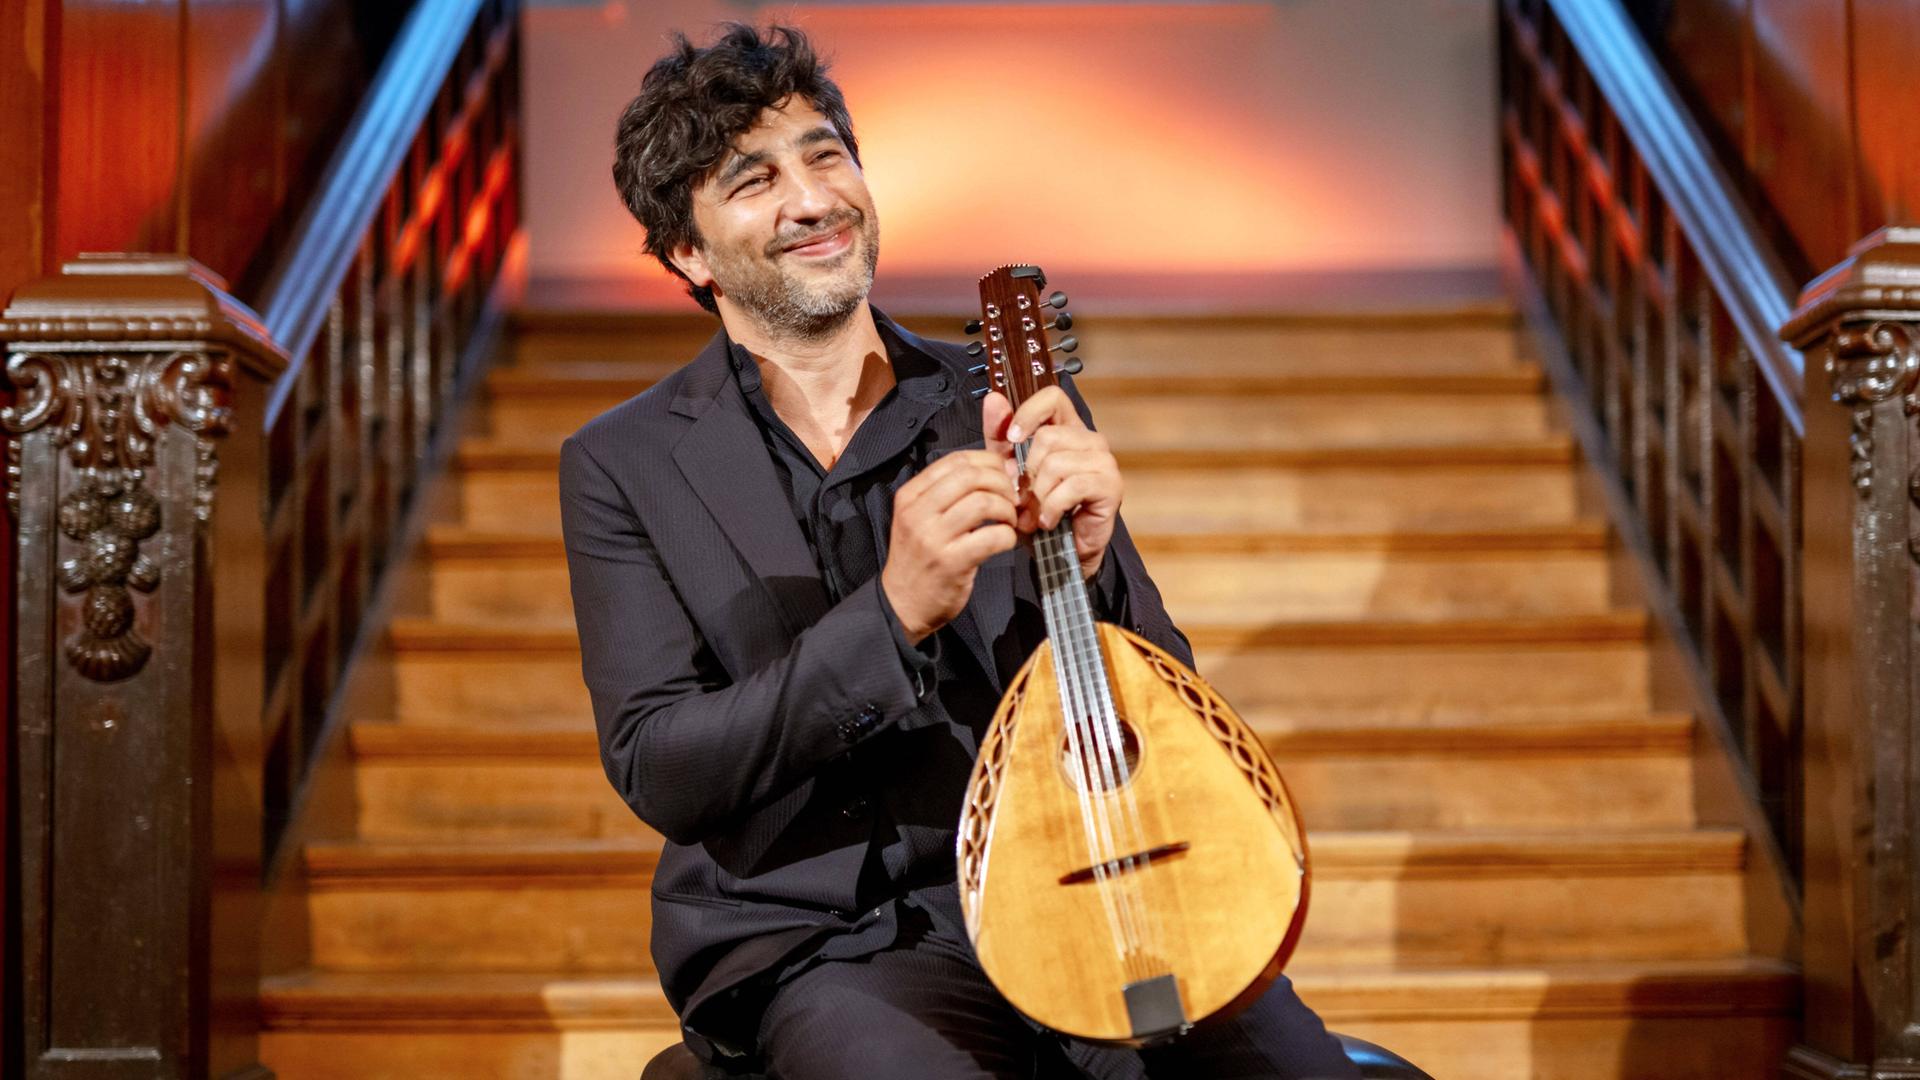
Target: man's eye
752 182
825 155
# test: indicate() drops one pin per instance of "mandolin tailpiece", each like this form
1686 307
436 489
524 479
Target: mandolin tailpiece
1154 1009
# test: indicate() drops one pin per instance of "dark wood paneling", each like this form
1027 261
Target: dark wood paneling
23 173
235 84
1886 34
320 35
119 135
1810 106
1705 45
1799 143
24 68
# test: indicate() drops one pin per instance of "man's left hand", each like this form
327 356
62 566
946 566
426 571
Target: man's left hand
1069 469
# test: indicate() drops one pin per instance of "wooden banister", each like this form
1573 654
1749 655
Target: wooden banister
1747 277
1658 305
209 504
328 236
130 376
1860 322
1780 537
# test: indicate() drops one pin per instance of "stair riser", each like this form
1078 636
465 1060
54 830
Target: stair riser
484 924
1582 1048
1166 348
471 1054
473 801
1209 589
469 801
537 923
1197 500
1584 679
1139 422
1558 1048
1459 791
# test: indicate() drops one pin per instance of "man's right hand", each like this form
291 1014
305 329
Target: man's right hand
957 513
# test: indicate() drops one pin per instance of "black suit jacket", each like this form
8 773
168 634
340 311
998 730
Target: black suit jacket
739 710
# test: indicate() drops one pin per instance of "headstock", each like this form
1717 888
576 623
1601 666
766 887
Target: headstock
1014 352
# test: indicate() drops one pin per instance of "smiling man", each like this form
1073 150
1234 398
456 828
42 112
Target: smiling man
800 587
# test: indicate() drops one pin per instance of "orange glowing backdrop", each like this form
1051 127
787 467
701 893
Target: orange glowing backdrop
1113 138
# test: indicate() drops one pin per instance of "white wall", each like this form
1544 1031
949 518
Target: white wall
1247 138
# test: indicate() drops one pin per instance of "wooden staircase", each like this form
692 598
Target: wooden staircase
1369 529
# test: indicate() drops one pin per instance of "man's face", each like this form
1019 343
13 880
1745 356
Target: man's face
788 233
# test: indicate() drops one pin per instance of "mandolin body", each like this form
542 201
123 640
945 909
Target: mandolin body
1218 909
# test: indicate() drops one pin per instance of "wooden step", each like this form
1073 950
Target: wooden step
471 1025
543 455
1700 1020
423 782
582 384
1390 897
1165 348
483 576
1591 665
510 487
1141 414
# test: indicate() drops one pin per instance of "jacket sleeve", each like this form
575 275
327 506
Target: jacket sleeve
1131 600
691 751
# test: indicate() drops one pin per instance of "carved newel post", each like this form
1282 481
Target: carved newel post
1859 326
122 373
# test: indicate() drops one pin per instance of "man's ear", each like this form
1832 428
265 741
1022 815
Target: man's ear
691 263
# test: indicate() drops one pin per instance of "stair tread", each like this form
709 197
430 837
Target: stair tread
1618 627
1335 854
481 1000
575 740
463 541
613 380
522 455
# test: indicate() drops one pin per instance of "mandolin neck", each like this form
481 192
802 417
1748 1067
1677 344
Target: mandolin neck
1063 589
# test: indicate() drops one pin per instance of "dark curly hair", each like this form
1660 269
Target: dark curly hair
692 104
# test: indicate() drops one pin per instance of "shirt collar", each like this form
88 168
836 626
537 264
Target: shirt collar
917 374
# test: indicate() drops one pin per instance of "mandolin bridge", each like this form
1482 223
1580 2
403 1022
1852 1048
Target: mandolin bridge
1121 865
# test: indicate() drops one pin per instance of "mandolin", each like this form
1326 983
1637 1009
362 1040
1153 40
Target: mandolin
1130 861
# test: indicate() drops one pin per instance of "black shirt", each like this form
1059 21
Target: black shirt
846 512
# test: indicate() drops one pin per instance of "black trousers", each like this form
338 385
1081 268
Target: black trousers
922 1009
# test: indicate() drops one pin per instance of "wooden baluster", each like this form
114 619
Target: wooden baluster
126 373
1860 328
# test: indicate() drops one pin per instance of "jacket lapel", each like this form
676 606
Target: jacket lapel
725 461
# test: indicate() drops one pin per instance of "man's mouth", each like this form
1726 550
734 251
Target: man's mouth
830 244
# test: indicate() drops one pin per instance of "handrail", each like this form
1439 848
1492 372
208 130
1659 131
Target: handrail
229 499
1751 279
303 284
1658 302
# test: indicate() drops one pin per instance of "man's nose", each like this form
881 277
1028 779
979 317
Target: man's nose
809 197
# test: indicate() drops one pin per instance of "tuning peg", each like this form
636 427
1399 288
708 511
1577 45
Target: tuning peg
1057 300
980 391
975 349
972 327
977 370
1062 321
1067 344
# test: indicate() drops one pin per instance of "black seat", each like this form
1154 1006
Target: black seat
677 1062
1378 1062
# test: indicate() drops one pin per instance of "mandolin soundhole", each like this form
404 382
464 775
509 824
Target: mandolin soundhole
1097 773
